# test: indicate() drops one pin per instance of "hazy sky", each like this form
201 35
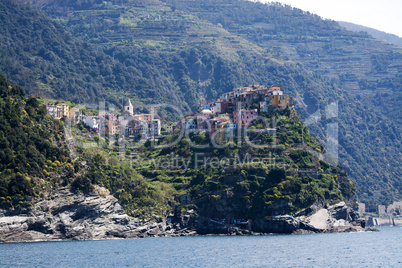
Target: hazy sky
384 15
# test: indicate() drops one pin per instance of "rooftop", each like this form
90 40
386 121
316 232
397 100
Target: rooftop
128 103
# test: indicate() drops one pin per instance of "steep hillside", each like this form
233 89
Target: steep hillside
33 155
189 50
321 45
199 60
155 54
42 56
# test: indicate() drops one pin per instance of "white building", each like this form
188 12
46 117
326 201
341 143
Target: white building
190 125
154 128
216 108
91 121
276 92
169 128
53 111
264 105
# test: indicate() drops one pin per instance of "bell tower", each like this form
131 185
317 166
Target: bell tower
128 107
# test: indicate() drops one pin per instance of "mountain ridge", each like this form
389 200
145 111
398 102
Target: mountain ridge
381 35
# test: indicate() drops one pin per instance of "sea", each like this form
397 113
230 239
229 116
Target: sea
364 249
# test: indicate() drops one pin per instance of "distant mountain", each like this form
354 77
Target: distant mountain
41 55
183 51
391 38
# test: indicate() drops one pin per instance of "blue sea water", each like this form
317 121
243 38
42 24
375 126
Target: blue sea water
371 249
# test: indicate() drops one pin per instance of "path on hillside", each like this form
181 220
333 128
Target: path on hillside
70 141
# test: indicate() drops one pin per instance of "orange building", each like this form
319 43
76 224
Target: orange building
279 100
146 117
75 115
112 127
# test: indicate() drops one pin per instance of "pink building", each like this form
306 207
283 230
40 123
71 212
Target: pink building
202 119
244 117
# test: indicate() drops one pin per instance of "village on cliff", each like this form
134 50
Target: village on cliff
232 111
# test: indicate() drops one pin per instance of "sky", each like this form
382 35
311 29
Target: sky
383 15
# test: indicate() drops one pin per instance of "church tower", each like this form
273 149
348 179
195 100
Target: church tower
128 107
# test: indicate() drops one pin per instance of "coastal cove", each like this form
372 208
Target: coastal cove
334 249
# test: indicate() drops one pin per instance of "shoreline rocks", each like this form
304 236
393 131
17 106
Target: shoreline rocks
66 215
315 219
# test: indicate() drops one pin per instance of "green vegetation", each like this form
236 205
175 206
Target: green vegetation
179 52
247 182
391 38
280 178
33 155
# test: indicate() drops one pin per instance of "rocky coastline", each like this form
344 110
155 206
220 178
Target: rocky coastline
68 215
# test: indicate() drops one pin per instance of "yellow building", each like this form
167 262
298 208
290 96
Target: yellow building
220 130
62 110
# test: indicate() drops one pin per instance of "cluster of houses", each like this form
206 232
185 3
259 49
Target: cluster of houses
134 126
128 124
234 110
61 110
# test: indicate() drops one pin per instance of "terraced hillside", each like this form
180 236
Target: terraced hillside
367 70
390 38
41 55
163 51
189 50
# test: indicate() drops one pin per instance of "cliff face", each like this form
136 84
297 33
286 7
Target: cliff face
315 219
67 215
75 216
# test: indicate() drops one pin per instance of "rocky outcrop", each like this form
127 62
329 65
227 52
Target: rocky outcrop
315 219
318 218
75 216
